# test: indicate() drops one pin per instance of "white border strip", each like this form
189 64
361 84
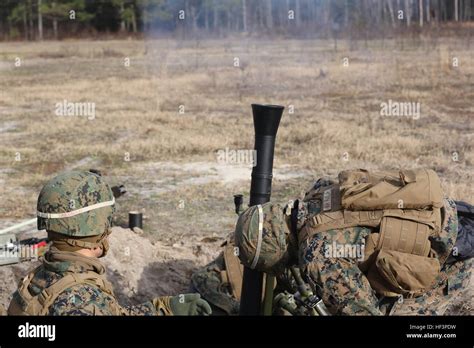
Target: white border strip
76 212
259 240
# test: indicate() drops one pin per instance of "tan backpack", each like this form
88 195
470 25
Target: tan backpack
402 207
39 304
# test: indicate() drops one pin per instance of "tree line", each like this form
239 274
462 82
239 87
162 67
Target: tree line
56 19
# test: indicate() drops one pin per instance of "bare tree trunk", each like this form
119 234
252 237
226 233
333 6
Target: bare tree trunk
122 20
260 15
407 12
40 21
31 28
437 11
327 14
297 13
346 13
134 21
398 8
428 11
420 8
55 23
467 11
55 28
456 10
269 15
379 12
244 15
215 16
229 21
195 16
444 11
390 10
25 23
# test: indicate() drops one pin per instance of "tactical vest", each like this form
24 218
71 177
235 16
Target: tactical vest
403 209
220 282
29 304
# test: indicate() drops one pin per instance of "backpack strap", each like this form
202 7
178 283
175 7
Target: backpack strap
47 297
39 304
339 219
234 270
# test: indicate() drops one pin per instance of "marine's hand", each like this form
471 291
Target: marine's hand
189 304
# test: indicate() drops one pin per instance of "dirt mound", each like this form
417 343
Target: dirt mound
138 269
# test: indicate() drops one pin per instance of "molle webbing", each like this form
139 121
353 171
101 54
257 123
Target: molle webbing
47 297
337 220
39 304
399 222
408 230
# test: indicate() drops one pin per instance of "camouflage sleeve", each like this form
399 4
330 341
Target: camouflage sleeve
444 242
158 306
338 280
146 309
85 299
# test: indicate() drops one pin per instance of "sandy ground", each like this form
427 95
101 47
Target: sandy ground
174 176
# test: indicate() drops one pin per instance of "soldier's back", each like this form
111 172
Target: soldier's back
65 285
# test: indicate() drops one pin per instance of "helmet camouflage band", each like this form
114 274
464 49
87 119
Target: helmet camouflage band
261 235
77 203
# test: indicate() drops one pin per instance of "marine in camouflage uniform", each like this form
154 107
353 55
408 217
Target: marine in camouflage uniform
345 289
76 210
339 281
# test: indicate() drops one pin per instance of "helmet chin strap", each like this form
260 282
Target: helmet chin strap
259 238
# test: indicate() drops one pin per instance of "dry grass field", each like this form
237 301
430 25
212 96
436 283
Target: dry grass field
164 109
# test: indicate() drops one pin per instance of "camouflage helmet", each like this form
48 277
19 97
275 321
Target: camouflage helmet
262 236
76 204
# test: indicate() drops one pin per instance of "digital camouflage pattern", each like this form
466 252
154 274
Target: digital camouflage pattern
338 280
274 253
80 299
208 282
71 191
345 289
451 282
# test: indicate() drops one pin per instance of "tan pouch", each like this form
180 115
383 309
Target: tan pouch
395 273
405 189
404 235
396 259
